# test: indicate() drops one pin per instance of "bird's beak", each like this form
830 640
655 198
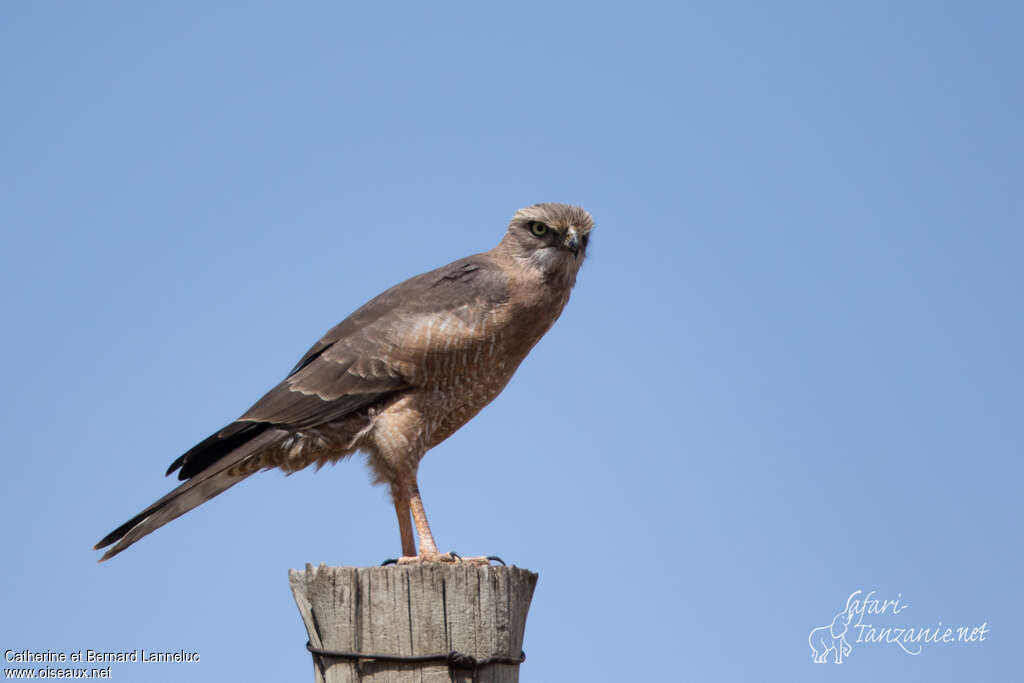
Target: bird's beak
572 241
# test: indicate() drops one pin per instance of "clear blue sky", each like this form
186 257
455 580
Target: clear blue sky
791 368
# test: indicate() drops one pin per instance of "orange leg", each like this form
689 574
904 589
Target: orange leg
428 549
404 523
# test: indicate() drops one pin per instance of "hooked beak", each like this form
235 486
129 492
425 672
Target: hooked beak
572 241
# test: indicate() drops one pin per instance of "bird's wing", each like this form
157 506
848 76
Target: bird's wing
363 360
368 356
474 280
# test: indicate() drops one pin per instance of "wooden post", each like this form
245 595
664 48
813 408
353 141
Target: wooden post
421 610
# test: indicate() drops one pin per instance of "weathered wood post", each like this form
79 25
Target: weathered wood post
423 622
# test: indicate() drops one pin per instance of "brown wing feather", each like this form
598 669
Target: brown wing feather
360 361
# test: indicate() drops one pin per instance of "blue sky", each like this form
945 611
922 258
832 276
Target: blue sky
790 370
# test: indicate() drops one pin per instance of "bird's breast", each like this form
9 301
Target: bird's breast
467 364
458 361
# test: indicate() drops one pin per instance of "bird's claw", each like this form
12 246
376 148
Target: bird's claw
449 558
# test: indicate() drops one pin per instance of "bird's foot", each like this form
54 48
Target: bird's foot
428 556
452 558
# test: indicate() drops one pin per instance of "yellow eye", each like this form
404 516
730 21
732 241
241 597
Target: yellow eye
538 229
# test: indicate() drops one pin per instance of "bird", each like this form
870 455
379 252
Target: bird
395 378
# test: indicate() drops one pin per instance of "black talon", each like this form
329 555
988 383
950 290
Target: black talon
389 561
495 558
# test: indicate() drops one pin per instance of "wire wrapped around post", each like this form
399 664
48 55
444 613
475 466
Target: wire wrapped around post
454 660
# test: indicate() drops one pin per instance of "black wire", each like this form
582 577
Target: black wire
453 659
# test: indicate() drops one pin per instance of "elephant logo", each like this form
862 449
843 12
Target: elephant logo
831 638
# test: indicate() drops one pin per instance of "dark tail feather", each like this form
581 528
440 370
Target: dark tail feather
203 486
214 447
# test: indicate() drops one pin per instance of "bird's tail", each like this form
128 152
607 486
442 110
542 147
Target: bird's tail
214 479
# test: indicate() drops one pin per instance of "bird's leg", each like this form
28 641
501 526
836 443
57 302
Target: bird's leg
428 549
401 499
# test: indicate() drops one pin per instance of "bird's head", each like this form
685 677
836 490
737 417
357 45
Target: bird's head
551 238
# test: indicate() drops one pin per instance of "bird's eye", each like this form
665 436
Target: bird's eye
538 229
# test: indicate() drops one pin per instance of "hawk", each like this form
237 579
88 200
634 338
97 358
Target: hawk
397 377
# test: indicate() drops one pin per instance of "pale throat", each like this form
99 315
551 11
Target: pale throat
552 261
